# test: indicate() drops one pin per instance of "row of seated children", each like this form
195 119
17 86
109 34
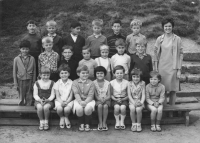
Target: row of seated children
24 67
119 93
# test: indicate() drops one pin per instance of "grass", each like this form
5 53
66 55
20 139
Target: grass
17 12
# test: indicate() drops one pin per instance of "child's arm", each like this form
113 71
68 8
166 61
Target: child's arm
70 97
111 93
162 95
58 96
108 93
129 95
76 92
112 64
39 64
35 94
143 95
125 98
90 96
96 95
129 62
52 96
15 73
127 44
149 101
34 72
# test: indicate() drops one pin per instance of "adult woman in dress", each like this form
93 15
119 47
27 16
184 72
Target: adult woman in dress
168 59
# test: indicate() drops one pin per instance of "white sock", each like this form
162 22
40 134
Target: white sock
41 121
133 124
122 119
117 120
138 124
46 121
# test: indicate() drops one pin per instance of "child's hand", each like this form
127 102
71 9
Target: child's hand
41 102
63 104
119 100
138 104
83 103
47 100
156 104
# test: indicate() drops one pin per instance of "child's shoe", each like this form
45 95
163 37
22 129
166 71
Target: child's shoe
62 122
46 125
41 127
81 127
153 128
158 128
67 122
134 127
139 127
87 128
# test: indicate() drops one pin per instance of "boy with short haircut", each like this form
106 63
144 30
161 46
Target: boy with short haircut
121 58
75 40
116 27
67 53
49 58
57 40
96 39
84 103
130 39
35 39
24 73
88 61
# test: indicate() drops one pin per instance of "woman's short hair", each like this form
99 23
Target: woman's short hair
45 70
168 20
155 74
118 67
137 72
64 67
100 69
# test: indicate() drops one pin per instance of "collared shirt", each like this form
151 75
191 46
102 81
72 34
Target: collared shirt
131 42
155 93
141 56
49 60
64 89
137 90
43 85
97 35
119 89
91 64
123 60
74 37
94 44
52 35
83 91
102 91
111 43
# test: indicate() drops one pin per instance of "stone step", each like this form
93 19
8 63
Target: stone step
191 55
190 78
191 67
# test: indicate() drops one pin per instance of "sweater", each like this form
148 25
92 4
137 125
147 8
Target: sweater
22 71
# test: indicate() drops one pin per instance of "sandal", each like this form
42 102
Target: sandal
123 127
153 128
67 122
158 128
105 128
87 128
81 127
139 128
68 126
46 126
41 127
99 128
117 127
62 122
134 128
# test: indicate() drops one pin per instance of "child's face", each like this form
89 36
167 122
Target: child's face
24 51
31 28
67 53
136 79
104 54
154 80
97 29
51 29
168 28
116 28
140 48
119 74
135 29
76 31
47 46
120 49
86 54
100 75
84 75
64 75
45 76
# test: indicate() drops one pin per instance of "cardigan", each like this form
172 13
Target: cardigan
177 51
77 46
22 71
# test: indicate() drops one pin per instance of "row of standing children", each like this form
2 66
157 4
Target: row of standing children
25 67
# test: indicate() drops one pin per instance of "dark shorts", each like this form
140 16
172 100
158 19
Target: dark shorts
108 102
123 103
51 103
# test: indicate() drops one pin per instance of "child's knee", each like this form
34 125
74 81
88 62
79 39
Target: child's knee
117 108
100 106
59 109
88 110
160 110
154 110
105 106
139 109
132 108
47 107
39 107
67 109
123 109
79 111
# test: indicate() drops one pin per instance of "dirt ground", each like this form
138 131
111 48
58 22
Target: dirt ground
170 134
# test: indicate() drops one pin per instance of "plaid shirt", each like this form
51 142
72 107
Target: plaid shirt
49 60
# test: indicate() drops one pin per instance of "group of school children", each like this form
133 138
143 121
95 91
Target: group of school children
86 77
